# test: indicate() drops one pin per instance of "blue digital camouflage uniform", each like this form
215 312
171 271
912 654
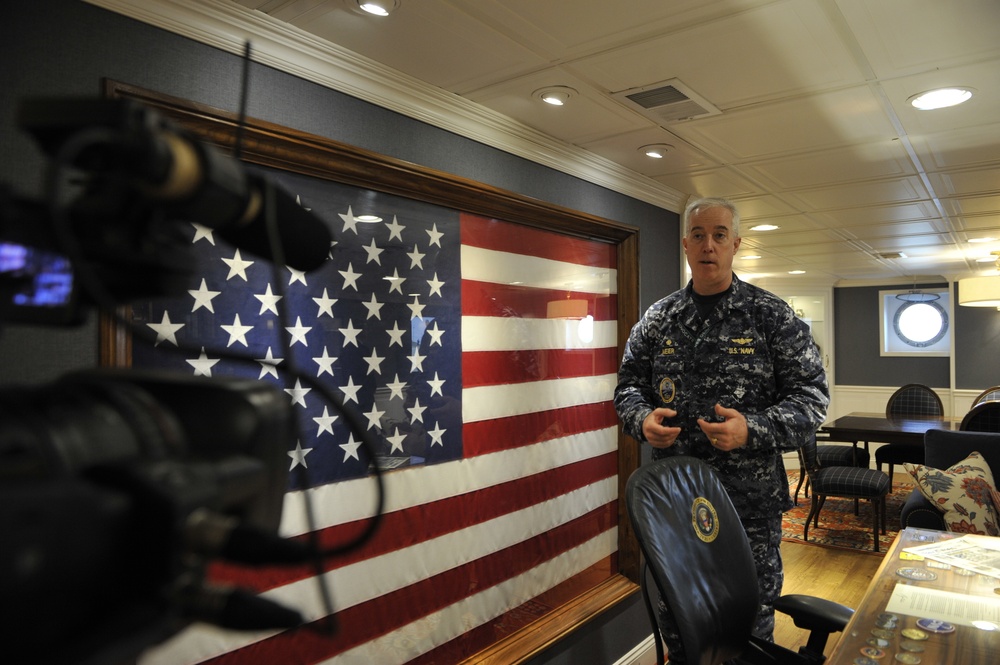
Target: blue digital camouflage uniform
752 354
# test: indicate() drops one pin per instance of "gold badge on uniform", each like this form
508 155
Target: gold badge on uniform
667 390
704 519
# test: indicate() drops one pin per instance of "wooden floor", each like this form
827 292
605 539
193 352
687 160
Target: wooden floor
838 575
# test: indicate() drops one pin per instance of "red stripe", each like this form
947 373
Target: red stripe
367 621
518 239
489 436
492 368
526 302
487 634
411 526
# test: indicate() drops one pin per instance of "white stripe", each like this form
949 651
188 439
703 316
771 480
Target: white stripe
515 399
374 577
487 265
435 629
350 500
496 333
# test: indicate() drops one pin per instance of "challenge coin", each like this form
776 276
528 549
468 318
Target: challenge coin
918 574
910 645
908 658
935 626
915 634
872 652
878 642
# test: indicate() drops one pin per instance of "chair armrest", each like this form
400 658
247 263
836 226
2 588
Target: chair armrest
920 513
812 613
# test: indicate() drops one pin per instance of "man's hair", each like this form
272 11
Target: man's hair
703 203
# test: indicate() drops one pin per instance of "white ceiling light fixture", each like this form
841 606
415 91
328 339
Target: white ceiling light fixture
981 291
983 239
940 98
765 227
378 7
796 272
751 257
556 95
656 150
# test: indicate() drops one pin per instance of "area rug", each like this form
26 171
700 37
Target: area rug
838 526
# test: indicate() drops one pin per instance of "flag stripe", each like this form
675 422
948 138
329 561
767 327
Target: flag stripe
515 399
488 436
481 298
488 368
407 527
493 234
363 622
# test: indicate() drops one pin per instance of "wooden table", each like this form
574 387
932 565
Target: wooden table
965 646
864 427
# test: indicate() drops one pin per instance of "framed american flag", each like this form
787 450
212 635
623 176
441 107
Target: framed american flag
476 334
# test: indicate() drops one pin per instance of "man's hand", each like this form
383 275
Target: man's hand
731 433
656 434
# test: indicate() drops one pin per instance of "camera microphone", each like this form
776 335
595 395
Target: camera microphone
236 609
212 534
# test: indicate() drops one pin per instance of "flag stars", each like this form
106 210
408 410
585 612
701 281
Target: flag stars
203 297
298 393
350 391
350 333
350 221
416 412
237 332
437 435
374 308
298 333
202 232
436 385
416 362
374 417
416 309
374 362
351 448
350 277
435 235
203 364
325 305
416 258
325 422
396 388
296 276
396 441
325 363
165 330
435 285
299 456
268 364
396 282
435 334
396 334
237 267
268 301
395 229
374 252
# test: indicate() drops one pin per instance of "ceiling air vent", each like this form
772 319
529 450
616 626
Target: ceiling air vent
669 101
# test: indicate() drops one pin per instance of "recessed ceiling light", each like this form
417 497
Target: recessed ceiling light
985 239
765 227
556 95
751 257
368 219
656 150
986 259
940 98
378 7
796 272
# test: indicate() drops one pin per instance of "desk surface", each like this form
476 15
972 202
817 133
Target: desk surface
872 627
875 427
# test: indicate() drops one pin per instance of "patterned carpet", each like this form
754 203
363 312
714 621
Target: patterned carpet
838 525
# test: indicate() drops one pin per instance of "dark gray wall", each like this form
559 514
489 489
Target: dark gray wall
64 47
856 325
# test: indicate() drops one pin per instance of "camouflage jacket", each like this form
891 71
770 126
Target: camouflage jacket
750 354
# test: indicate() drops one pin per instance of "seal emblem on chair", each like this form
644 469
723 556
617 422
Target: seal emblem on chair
705 519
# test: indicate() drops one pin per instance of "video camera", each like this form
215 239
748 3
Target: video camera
120 486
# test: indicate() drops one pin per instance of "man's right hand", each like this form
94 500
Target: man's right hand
657 434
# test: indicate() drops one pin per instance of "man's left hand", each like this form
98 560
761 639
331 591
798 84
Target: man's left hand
731 433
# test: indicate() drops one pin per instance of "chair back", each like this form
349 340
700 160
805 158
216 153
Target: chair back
945 448
914 399
808 457
988 395
698 555
984 417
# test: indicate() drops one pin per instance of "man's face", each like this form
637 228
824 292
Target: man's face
710 247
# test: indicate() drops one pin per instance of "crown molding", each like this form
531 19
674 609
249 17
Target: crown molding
228 26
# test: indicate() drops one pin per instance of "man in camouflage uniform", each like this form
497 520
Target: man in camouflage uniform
723 371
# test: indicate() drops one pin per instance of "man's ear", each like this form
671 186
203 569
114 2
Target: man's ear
736 243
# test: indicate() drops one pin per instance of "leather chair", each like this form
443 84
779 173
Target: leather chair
943 449
849 482
697 555
984 417
913 399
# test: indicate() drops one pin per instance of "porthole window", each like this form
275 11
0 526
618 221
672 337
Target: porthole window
915 322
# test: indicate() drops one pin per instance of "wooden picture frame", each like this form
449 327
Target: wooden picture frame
274 146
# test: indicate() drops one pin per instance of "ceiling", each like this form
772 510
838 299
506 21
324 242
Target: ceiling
809 126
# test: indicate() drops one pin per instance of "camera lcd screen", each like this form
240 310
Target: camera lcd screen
35 285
